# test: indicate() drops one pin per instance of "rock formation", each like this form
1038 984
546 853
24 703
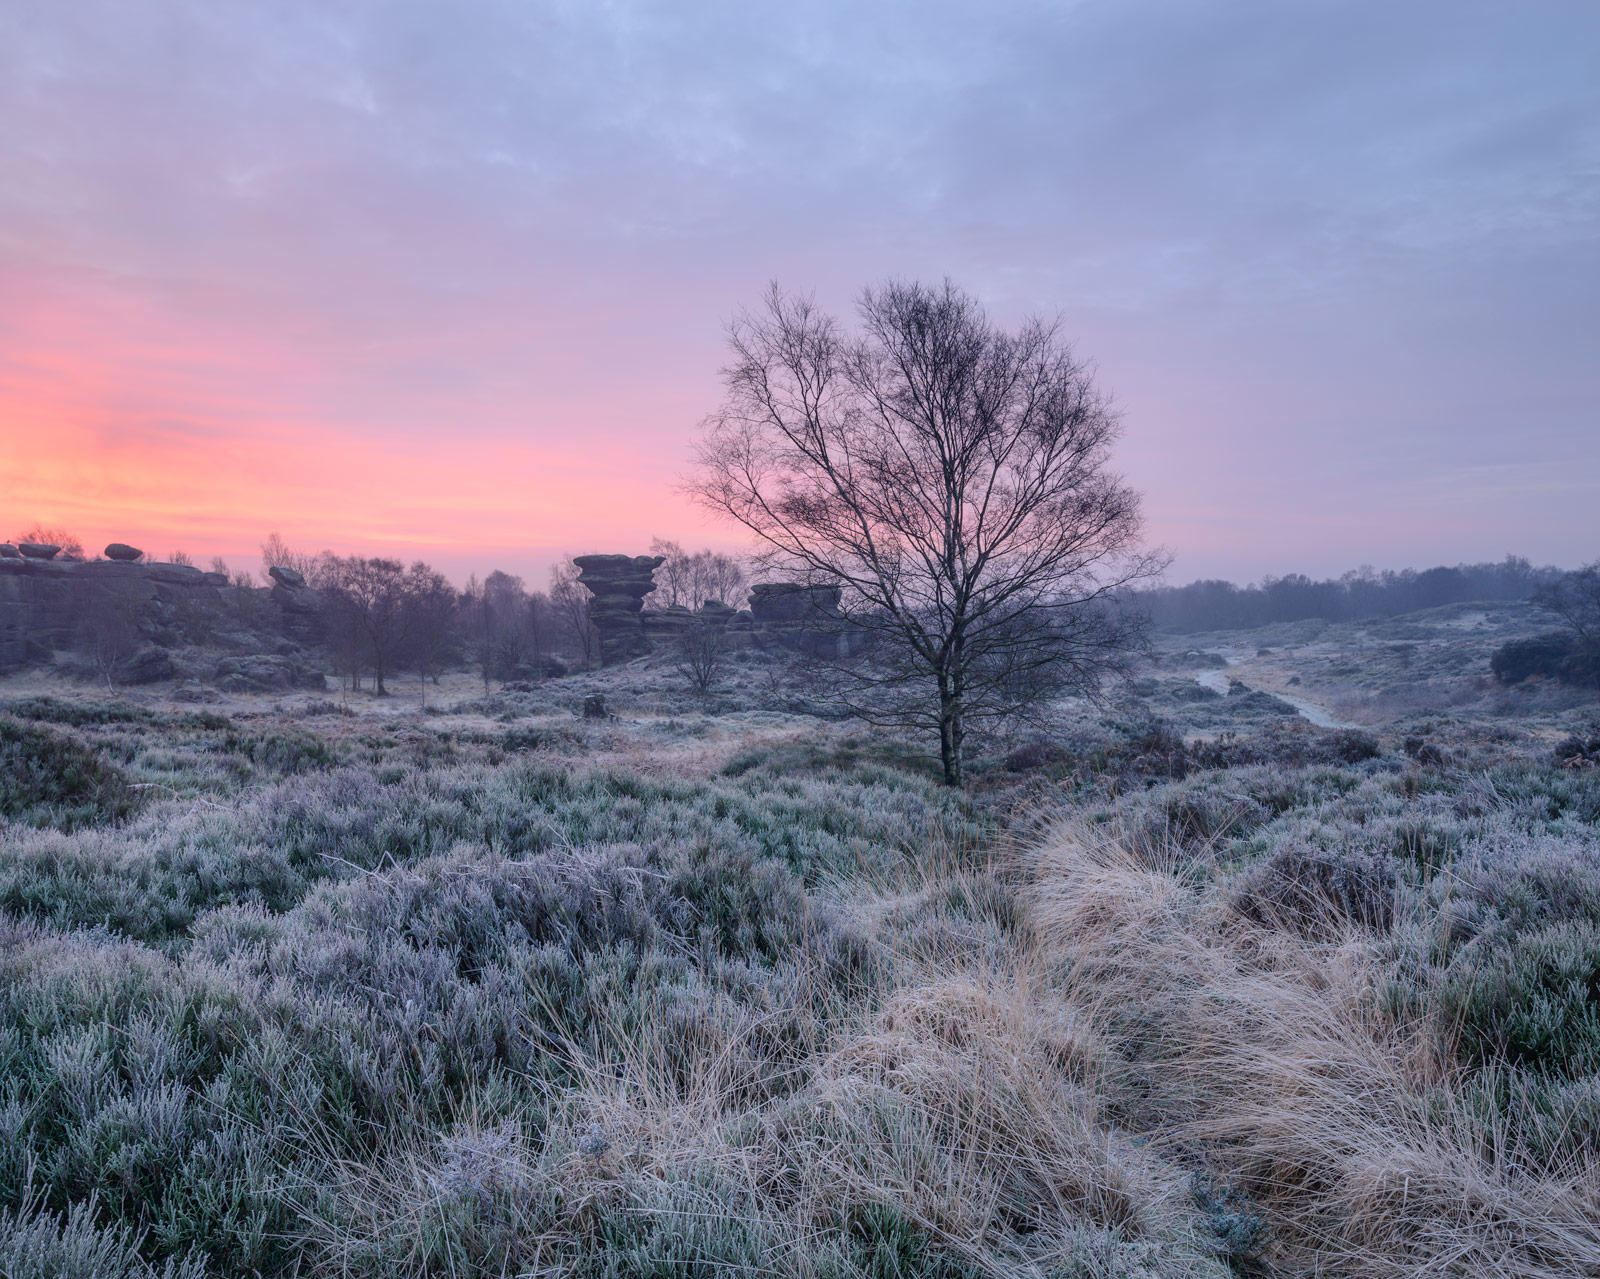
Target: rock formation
300 606
803 619
39 550
618 584
123 552
48 604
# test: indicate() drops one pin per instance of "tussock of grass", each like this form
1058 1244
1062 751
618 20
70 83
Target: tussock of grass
1355 1127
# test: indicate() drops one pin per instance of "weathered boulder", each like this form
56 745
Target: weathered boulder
38 550
122 551
177 574
266 673
782 603
618 584
805 619
9 552
149 665
300 606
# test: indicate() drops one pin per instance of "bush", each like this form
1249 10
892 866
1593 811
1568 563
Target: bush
48 779
1534 1002
1318 894
1544 655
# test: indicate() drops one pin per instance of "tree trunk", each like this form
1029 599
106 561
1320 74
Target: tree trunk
950 731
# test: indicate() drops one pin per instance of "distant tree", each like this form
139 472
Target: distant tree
429 609
569 604
507 600
108 632
700 652
953 479
478 628
671 576
71 547
542 628
689 581
372 613
1575 599
276 553
181 557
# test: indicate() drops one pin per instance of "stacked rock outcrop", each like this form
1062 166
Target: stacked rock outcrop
47 605
805 619
801 618
123 552
618 584
300 605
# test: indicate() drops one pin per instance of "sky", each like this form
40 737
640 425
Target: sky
451 279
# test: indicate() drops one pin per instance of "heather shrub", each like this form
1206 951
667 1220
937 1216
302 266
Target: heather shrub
1532 1001
1319 894
47 778
43 1245
1522 659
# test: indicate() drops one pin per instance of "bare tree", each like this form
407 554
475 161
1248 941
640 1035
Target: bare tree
370 612
108 632
690 581
951 477
276 553
700 650
569 602
430 607
671 576
1575 599
70 547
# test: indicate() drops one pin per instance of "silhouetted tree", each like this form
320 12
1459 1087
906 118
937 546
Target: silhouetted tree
569 604
700 651
1575 599
952 478
276 553
689 581
429 608
373 612
71 547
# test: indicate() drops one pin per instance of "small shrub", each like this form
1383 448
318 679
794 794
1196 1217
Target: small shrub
1318 894
1351 746
48 779
1240 1232
1534 1003
1518 660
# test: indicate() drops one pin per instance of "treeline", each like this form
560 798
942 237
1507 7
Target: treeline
384 618
1363 593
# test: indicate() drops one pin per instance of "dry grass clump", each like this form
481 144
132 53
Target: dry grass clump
1274 1055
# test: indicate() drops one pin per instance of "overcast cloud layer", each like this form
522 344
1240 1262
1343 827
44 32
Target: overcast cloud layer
450 278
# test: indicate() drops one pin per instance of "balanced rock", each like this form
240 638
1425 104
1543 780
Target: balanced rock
9 552
148 666
618 584
122 551
38 550
285 576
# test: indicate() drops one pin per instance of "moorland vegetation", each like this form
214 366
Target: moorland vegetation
1179 985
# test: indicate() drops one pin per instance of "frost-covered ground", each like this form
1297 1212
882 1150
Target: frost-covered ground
1184 984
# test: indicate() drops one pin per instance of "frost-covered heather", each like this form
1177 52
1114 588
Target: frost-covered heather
723 989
